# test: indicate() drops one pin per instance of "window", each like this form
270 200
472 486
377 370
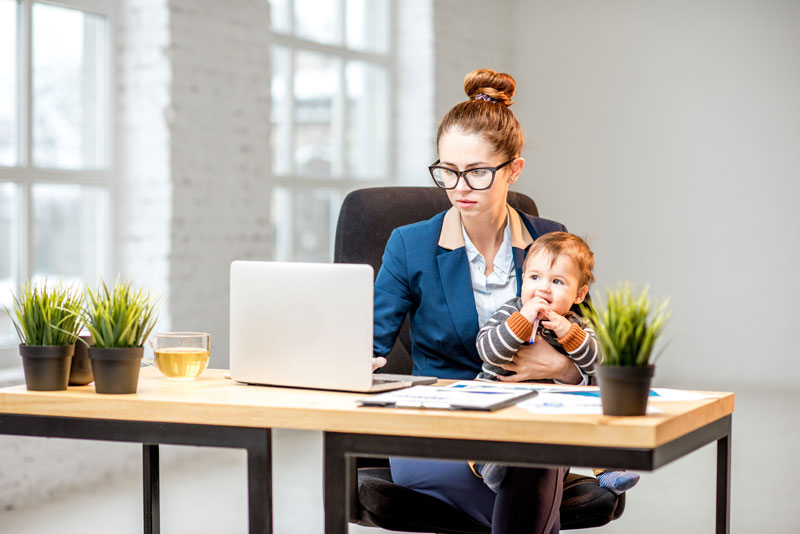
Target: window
331 113
55 158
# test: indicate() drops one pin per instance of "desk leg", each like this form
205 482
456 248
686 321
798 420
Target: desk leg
724 482
339 477
150 485
259 483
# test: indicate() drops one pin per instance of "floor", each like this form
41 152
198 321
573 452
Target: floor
204 490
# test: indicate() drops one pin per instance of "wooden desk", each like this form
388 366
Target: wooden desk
213 411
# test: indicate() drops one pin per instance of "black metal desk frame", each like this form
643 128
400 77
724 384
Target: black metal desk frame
152 434
341 450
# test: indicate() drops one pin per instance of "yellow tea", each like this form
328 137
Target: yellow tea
181 363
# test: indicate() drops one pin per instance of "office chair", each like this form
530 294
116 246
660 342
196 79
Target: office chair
366 220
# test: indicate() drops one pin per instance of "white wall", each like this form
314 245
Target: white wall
468 35
143 197
192 89
414 118
668 133
218 122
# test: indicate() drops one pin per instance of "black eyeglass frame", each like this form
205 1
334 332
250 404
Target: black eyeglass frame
463 174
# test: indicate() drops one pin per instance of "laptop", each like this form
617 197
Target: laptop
306 325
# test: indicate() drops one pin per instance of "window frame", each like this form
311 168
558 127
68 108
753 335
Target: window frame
294 182
24 175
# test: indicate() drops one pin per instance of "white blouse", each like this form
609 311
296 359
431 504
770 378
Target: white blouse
492 291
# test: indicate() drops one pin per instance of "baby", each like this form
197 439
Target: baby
556 275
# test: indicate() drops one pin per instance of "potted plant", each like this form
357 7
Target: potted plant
119 319
46 319
80 373
627 328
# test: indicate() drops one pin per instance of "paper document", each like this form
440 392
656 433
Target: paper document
568 402
482 396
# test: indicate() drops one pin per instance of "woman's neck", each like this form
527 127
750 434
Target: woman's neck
486 233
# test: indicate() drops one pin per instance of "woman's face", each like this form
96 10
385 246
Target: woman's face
461 151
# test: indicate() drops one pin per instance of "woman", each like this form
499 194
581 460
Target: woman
449 274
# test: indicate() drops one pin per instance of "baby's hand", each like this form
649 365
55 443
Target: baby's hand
557 323
535 308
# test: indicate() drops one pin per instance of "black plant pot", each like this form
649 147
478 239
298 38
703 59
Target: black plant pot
624 389
46 367
116 370
80 373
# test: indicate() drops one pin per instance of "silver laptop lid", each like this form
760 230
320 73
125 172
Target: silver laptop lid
301 324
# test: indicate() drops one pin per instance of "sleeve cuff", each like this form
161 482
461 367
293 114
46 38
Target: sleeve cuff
520 326
574 338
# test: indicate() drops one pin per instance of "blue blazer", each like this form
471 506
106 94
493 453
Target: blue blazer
425 274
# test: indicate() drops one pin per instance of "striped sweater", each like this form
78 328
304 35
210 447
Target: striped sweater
507 330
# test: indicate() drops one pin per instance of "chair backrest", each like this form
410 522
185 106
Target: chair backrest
368 217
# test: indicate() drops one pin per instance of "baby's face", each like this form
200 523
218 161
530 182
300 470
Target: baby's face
558 283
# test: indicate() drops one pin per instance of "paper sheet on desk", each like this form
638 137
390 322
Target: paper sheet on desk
665 394
550 402
555 398
562 400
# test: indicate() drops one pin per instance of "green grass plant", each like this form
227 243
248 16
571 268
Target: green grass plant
119 316
627 326
46 314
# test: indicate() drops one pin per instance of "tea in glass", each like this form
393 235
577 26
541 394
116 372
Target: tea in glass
182 355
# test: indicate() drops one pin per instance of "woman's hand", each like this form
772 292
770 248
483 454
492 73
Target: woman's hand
540 361
378 362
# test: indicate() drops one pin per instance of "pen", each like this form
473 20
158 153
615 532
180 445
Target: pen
533 332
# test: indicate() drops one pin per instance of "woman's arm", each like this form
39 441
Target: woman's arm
393 297
541 361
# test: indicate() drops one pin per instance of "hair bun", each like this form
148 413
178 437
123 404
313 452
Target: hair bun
496 85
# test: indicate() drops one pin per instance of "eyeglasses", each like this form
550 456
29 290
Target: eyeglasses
477 179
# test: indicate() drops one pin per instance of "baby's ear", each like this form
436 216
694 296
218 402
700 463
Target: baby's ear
581 294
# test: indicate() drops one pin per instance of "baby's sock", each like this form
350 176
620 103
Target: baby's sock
618 481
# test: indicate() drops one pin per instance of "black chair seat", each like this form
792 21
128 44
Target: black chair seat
390 506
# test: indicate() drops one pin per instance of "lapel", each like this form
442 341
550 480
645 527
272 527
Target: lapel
455 276
521 240
456 280
519 259
457 287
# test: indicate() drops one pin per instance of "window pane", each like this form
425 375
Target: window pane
367 119
368 25
318 20
281 113
316 87
9 220
315 211
9 106
279 16
69 88
280 221
69 232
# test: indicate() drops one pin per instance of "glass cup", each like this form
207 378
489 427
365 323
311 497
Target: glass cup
181 355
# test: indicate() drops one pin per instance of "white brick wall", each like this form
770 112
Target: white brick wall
219 167
192 91
144 194
35 469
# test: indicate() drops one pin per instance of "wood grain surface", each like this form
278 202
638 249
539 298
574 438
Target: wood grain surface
215 400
